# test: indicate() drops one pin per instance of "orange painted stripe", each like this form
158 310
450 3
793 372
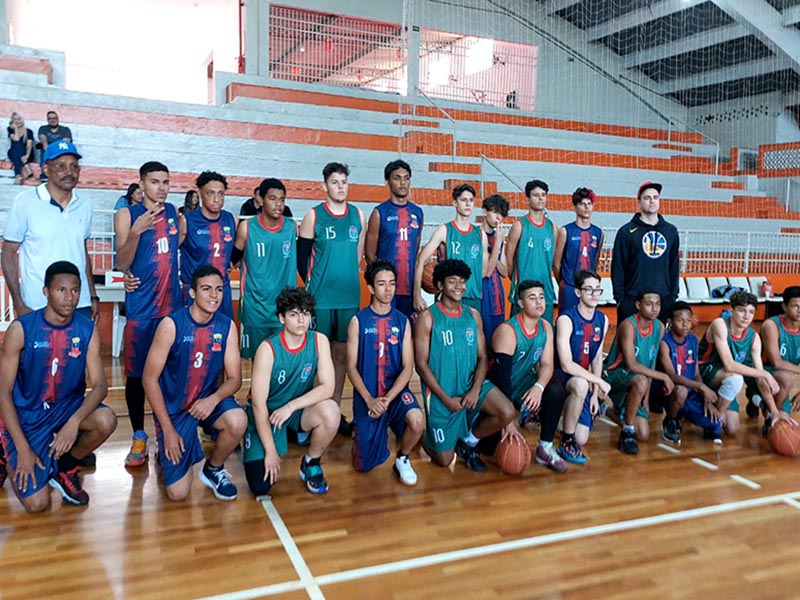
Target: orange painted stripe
416 123
451 167
727 185
39 66
673 147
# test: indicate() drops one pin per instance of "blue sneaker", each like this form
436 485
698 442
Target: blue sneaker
526 416
219 481
311 473
570 451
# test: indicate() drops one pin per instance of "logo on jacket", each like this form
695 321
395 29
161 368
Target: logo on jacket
654 244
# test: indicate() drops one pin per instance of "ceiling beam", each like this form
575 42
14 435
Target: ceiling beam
687 44
554 6
766 24
791 16
741 71
637 17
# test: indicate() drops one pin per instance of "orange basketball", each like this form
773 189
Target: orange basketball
513 457
427 275
784 439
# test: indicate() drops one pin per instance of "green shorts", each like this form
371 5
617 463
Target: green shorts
445 427
333 322
620 379
472 303
253 449
252 337
752 388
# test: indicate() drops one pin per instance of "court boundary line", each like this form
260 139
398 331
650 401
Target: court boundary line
490 549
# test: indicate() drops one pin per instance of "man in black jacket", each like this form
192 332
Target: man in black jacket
646 256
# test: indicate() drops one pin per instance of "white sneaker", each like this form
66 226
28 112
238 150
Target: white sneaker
404 470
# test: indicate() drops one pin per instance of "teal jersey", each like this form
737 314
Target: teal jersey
467 246
534 257
333 275
529 349
741 347
454 350
293 371
269 264
788 341
645 345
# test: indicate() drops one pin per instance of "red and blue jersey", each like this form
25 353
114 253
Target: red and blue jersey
492 300
580 252
156 266
587 336
684 356
51 377
208 242
398 240
195 361
380 349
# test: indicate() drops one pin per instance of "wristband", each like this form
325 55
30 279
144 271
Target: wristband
538 385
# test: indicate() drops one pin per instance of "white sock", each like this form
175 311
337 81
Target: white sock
470 440
546 445
757 399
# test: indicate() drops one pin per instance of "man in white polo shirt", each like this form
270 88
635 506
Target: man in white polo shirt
49 223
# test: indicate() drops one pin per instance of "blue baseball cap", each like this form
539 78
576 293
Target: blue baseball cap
60 148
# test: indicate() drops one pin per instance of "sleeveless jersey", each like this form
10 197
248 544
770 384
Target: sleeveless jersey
156 266
195 361
534 257
467 246
740 347
684 356
587 337
207 243
398 240
52 367
492 300
333 267
788 341
529 349
269 264
580 252
380 349
645 346
293 371
454 350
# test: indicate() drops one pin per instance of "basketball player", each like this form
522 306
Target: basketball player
580 334
462 241
394 232
147 248
630 367
50 422
206 236
577 247
780 339
293 381
493 305
461 405
523 348
691 399
730 354
530 251
329 252
191 351
380 362
266 245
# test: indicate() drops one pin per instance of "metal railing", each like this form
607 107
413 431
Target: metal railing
441 110
486 159
670 121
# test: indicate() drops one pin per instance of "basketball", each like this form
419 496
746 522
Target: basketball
513 457
427 275
784 439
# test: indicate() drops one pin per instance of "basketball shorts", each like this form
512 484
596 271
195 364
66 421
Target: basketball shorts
752 388
490 324
138 339
620 379
444 427
186 426
693 410
472 303
371 438
252 336
254 449
404 304
40 435
333 322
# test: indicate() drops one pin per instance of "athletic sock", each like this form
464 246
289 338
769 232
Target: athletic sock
546 445
565 437
470 440
756 399
307 460
67 462
628 429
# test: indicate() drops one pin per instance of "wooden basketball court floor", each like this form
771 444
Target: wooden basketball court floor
688 522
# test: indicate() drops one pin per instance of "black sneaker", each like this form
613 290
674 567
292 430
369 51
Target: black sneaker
767 425
671 430
627 442
471 456
311 473
88 461
752 409
69 484
345 428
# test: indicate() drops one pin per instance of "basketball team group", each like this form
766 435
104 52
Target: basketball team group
438 309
